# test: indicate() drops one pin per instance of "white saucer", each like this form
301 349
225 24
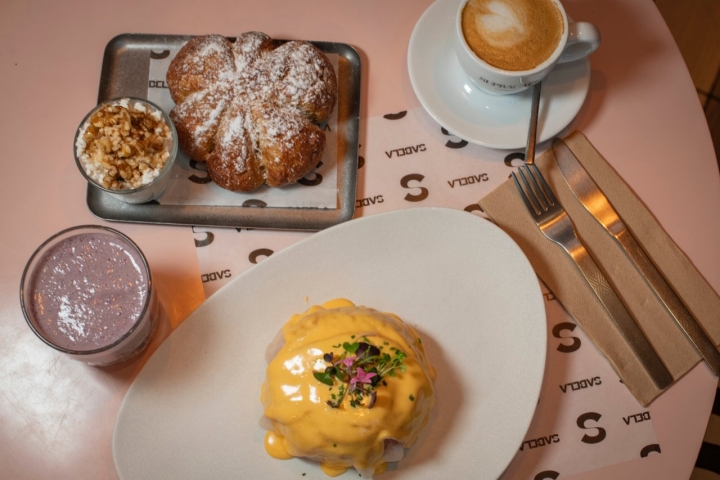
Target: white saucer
495 121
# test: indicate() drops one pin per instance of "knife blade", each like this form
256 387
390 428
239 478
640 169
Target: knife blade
594 200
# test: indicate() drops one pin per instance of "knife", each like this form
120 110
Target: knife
595 202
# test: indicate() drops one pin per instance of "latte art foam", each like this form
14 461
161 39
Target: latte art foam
512 34
501 26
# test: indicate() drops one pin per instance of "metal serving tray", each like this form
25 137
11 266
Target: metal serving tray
125 72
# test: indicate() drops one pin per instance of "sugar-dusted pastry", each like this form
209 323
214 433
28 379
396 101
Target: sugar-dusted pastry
250 108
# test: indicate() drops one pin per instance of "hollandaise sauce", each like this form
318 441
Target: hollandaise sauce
349 383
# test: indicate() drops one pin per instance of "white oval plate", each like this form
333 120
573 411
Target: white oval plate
193 410
494 121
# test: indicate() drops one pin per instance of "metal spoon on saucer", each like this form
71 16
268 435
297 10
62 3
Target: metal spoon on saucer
532 131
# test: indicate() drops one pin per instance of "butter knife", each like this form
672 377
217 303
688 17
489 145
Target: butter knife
595 202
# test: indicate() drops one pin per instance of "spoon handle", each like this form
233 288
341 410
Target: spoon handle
532 130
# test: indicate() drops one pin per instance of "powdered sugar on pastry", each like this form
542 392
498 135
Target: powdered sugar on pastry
197 118
236 100
233 162
294 74
248 47
290 145
204 62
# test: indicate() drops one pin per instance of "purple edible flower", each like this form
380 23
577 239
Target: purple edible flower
361 377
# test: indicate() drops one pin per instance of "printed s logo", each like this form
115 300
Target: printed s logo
514 156
395 116
311 182
647 450
195 165
423 191
253 203
582 419
450 144
575 341
159 56
209 237
547 475
260 252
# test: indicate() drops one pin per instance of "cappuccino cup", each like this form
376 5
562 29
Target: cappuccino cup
507 46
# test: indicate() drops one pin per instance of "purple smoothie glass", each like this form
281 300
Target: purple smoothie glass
87 292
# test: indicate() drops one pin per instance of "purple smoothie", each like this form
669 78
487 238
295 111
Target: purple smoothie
87 291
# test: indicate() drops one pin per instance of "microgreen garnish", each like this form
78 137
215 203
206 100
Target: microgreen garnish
324 377
350 347
359 369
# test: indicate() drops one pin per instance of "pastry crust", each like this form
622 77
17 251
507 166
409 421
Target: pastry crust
290 145
247 107
202 63
233 163
197 119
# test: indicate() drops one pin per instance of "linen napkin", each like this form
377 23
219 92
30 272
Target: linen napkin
560 274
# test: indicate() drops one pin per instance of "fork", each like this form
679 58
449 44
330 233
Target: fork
554 222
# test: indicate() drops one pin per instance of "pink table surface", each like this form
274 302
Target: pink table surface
57 415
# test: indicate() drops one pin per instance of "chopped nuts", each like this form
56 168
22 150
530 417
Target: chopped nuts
124 147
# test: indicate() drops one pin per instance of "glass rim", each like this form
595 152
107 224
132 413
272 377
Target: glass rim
119 341
166 168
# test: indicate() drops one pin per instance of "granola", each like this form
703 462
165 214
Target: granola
124 146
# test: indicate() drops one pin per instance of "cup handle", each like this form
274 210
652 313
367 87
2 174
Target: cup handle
583 39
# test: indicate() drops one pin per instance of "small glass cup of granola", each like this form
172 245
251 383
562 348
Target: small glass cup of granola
126 147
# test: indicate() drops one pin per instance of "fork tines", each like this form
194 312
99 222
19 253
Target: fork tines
538 197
